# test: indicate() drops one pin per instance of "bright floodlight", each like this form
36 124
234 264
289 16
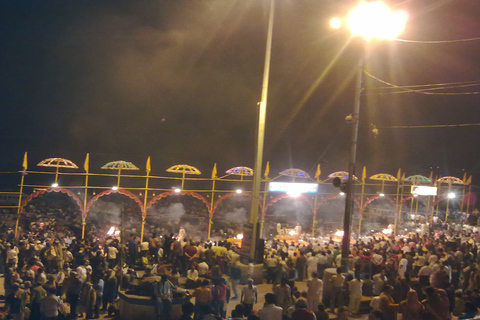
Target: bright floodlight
382 194
240 236
451 195
238 191
177 190
342 193
415 195
376 20
55 185
115 188
335 23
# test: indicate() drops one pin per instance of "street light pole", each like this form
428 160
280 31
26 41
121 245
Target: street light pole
368 20
349 204
257 170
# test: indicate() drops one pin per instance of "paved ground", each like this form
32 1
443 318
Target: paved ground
262 290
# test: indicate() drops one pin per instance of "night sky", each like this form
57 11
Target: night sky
180 80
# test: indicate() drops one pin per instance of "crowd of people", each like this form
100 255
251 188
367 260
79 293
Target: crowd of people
429 276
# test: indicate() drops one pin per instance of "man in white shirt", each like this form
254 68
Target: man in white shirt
112 256
355 288
314 292
312 263
269 310
249 296
379 282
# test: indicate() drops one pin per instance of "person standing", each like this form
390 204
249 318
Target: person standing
300 266
203 296
379 282
337 282
235 276
312 265
112 255
314 292
270 311
38 294
355 288
15 302
50 305
109 289
249 296
283 293
163 293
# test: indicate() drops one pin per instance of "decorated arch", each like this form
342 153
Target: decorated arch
111 210
173 193
56 210
78 201
230 213
293 212
111 191
171 211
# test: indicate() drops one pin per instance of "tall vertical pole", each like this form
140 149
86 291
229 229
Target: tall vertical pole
210 214
262 112
145 199
397 199
19 209
353 158
85 202
265 193
361 209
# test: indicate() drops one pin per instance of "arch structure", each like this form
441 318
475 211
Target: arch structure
336 196
110 191
285 196
61 190
173 193
229 195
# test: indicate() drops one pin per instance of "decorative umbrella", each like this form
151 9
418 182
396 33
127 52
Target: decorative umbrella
340 174
184 169
120 165
57 163
295 173
450 180
240 171
383 177
418 178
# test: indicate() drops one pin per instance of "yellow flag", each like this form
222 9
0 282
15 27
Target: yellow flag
431 176
364 174
87 162
267 170
148 166
25 162
399 174
318 173
214 171
403 176
469 181
464 178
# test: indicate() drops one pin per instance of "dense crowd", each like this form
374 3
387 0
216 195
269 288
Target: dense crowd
430 276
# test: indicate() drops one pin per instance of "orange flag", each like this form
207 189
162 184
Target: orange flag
214 171
364 174
267 170
148 166
25 162
318 173
86 163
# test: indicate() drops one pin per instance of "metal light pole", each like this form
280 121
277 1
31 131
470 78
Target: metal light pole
257 171
351 167
368 20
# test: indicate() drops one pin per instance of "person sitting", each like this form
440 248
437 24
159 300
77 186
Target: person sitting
301 312
322 314
470 311
192 278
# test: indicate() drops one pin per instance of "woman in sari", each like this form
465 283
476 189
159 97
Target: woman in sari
411 308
